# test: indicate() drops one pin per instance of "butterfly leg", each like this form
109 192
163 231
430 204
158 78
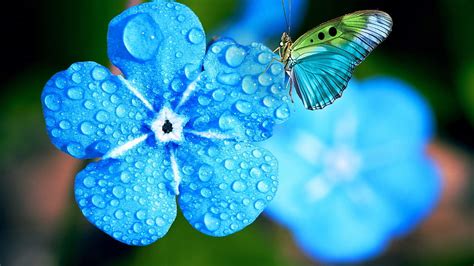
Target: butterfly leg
290 84
271 62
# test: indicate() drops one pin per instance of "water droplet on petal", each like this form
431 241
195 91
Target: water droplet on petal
119 214
102 116
249 86
118 192
99 73
75 93
87 128
64 124
137 227
276 69
142 37
109 86
76 77
195 36
206 193
52 102
219 95
89 182
181 18
243 106
239 186
259 205
255 173
75 149
227 121
205 173
228 79
98 201
159 221
265 79
211 223
141 214
282 112
265 58
234 56
263 187
121 110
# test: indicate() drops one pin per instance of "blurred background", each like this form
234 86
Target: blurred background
431 48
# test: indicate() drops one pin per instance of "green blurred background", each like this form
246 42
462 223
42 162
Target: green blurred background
431 47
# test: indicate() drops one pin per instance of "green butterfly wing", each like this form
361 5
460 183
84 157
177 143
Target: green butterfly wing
324 58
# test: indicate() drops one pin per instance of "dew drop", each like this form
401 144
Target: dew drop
142 37
265 79
52 102
282 112
219 95
259 204
205 173
137 227
125 177
64 124
195 36
98 201
118 192
99 73
75 93
265 58
206 193
181 18
238 186
228 79
141 214
75 149
227 121
89 105
243 106
76 77
263 187
119 214
89 182
102 116
87 128
159 221
249 86
255 173
276 69
234 56
216 49
229 164
109 86
257 153
121 110
211 223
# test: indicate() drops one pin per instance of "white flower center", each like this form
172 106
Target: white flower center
168 126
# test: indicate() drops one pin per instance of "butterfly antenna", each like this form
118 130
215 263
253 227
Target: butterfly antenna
284 13
289 18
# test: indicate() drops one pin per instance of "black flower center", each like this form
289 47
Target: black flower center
167 127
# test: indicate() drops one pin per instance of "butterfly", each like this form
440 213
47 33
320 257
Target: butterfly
320 63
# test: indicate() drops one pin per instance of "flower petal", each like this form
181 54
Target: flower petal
89 111
242 93
157 45
129 199
225 185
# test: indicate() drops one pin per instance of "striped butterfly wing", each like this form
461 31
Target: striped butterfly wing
325 57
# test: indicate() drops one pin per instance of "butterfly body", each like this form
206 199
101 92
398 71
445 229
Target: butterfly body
320 63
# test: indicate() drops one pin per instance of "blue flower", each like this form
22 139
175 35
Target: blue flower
180 122
263 19
355 174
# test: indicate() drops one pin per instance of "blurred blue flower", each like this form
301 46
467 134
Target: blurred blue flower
178 123
355 174
263 19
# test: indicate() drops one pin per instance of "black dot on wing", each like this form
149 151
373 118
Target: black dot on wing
332 31
321 36
311 40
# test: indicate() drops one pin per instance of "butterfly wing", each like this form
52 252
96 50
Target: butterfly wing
325 57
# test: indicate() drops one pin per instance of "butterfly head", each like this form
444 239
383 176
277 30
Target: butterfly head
285 39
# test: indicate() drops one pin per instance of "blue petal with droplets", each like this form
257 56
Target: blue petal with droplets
241 92
129 198
89 111
159 46
225 185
